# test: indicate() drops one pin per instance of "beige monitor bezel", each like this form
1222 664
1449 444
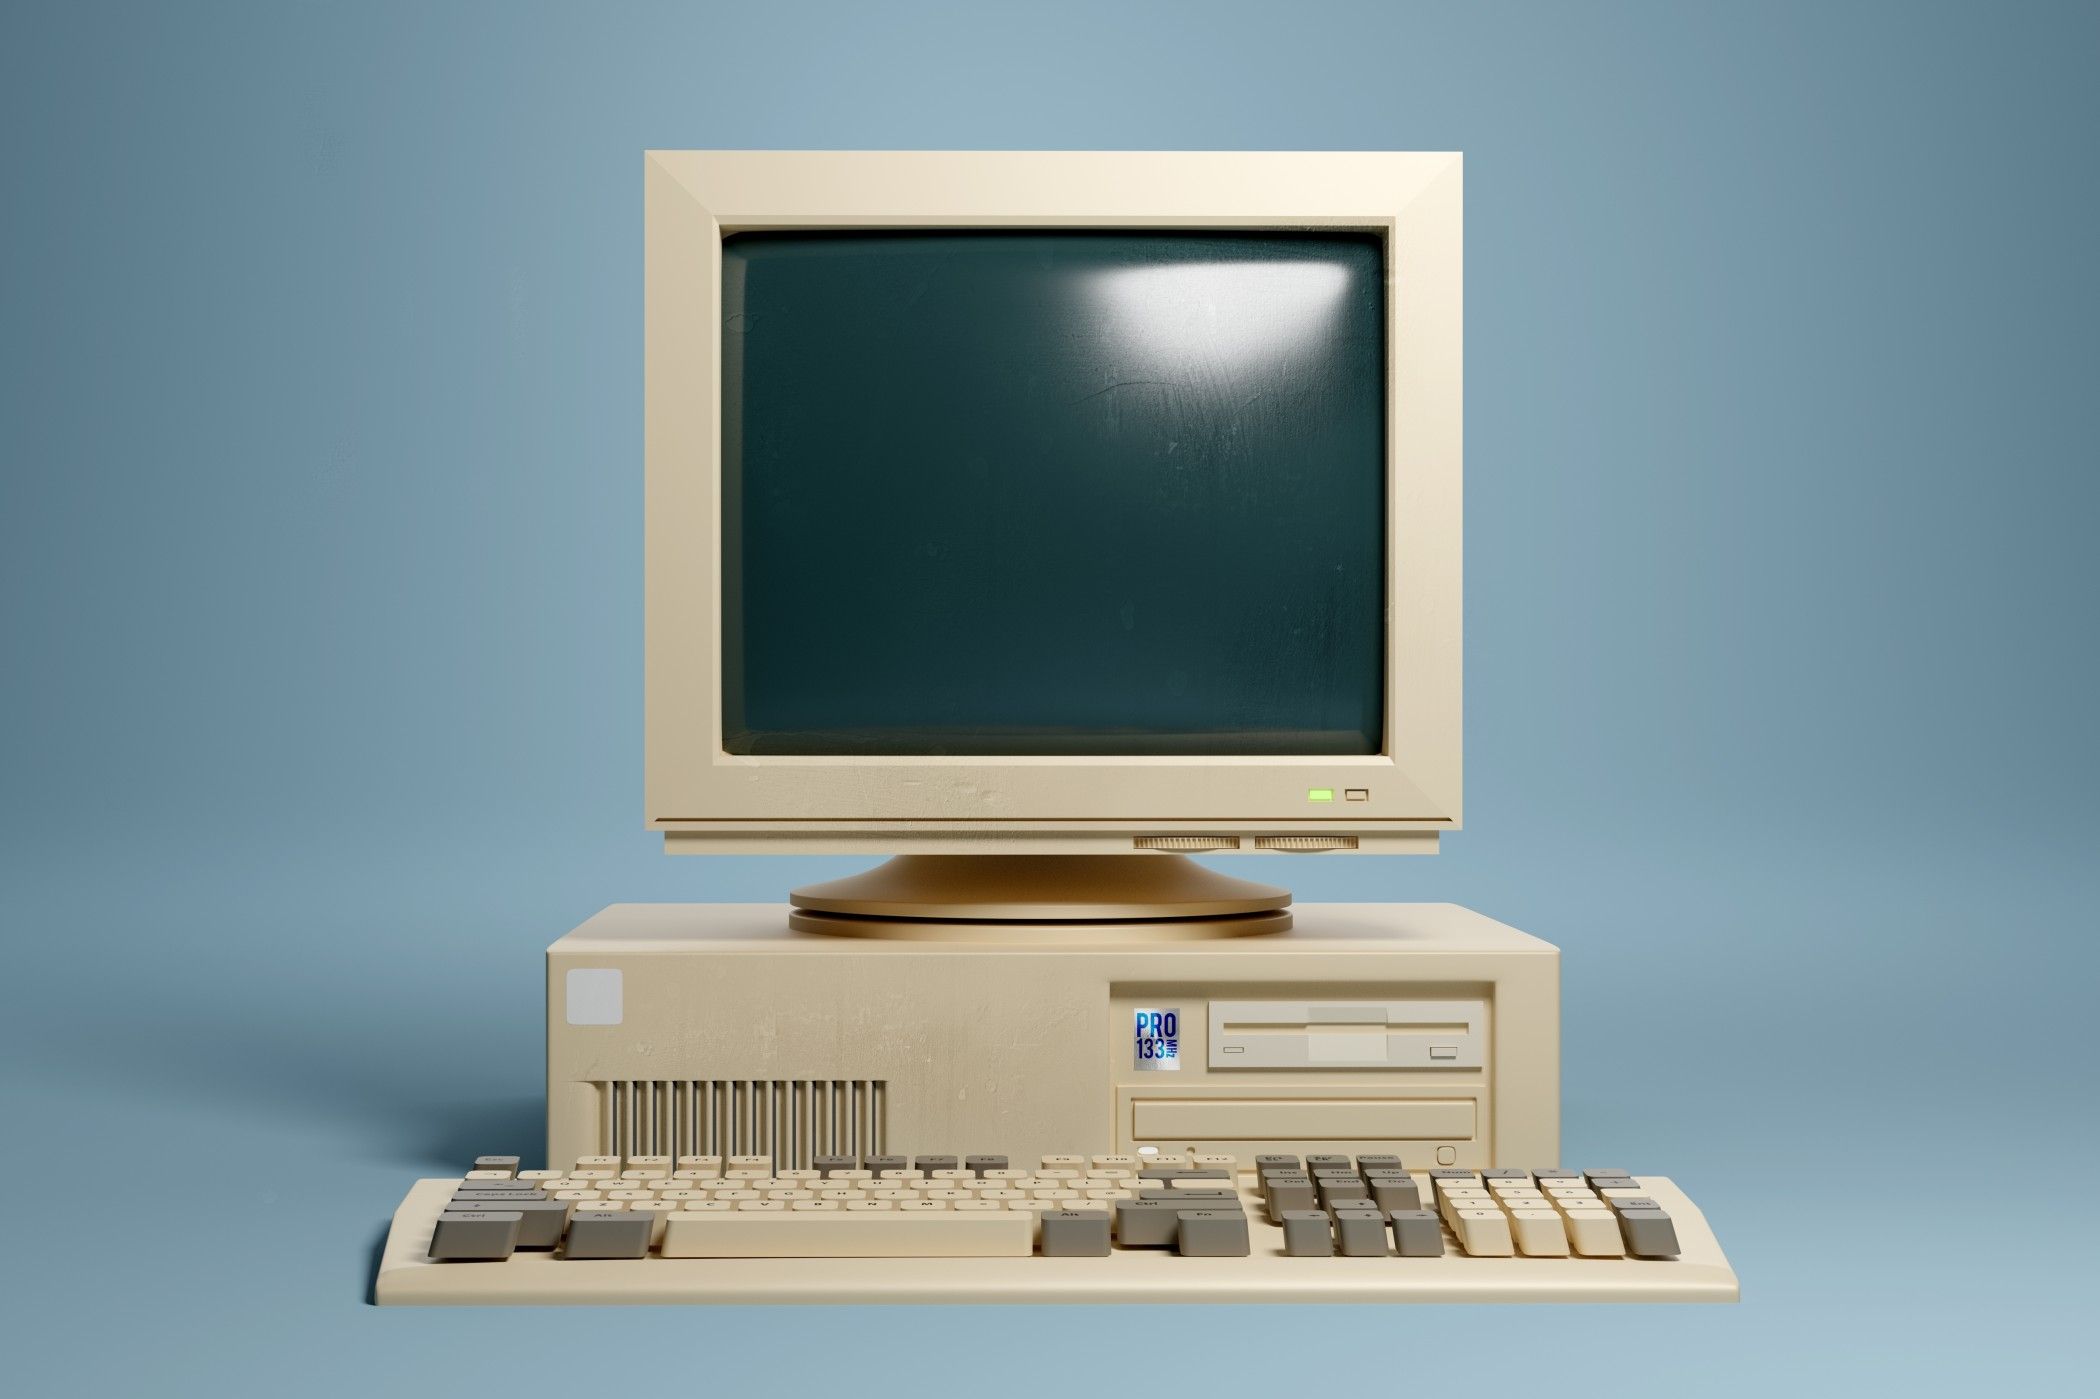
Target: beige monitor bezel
702 797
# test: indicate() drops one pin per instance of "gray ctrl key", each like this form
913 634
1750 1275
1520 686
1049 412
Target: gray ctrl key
1075 1233
1307 1234
1361 1232
607 1234
1212 1234
475 1236
1147 1223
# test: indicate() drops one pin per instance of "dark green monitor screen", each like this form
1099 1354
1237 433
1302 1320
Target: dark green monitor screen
1053 493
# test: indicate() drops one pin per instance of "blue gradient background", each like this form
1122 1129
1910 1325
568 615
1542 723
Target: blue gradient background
321 541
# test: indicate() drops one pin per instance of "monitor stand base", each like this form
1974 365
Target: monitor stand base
1032 898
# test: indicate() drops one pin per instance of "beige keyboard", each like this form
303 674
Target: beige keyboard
1076 1228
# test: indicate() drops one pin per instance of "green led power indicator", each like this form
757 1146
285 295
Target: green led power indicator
1319 794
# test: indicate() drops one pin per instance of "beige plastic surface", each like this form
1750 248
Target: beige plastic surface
703 798
1008 1044
1039 888
407 1277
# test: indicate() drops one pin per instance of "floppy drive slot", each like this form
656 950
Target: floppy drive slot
1347 1034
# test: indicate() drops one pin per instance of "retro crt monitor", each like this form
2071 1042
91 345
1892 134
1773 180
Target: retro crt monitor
1041 519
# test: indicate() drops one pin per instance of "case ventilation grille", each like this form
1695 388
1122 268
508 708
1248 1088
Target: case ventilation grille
789 1119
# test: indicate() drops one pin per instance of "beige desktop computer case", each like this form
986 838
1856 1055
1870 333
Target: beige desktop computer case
1421 1029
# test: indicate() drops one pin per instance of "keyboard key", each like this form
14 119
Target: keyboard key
656 1212
900 1233
926 1165
1211 1234
1189 1199
1538 1233
1394 1193
827 1164
597 1234
1307 1234
879 1164
1360 1233
1367 1164
476 1236
1075 1233
978 1165
1417 1234
540 1222
1594 1233
1483 1233
1290 1193
1148 1223
1648 1233
506 1164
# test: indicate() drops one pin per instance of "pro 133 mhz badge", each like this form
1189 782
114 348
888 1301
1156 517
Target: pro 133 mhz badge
1155 1042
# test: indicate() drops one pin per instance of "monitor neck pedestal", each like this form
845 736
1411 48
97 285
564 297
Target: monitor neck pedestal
1035 898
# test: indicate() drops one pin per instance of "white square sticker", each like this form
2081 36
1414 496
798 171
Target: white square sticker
593 996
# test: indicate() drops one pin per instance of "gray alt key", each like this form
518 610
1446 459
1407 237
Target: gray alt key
597 1234
1075 1233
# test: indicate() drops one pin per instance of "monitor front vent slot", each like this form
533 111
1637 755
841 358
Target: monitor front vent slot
1305 842
792 1120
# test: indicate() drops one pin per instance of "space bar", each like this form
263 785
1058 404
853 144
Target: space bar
844 1234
